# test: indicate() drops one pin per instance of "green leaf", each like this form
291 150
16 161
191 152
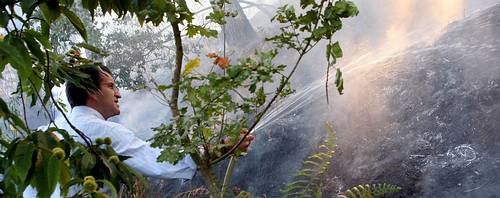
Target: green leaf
68 3
88 161
45 29
34 47
65 174
18 56
333 51
3 63
105 6
234 71
193 30
92 48
6 115
252 88
217 16
53 172
207 133
44 40
77 23
124 6
23 158
163 87
110 186
4 18
339 82
309 18
40 182
261 96
318 33
110 165
305 3
336 50
345 9
50 12
28 6
90 5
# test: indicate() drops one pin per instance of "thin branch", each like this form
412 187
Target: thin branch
238 93
227 176
11 7
158 98
43 105
326 83
85 138
165 97
22 100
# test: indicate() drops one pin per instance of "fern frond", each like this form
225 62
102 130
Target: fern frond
312 163
308 182
382 189
198 192
244 194
370 191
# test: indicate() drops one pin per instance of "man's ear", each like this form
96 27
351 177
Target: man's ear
92 96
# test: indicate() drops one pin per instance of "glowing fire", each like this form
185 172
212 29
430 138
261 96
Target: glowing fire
425 16
396 34
446 11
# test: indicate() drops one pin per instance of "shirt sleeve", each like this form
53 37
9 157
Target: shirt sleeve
144 157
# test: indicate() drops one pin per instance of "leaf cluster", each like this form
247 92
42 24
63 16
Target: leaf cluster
43 161
214 105
39 158
301 30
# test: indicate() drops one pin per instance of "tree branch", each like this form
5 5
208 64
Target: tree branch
174 99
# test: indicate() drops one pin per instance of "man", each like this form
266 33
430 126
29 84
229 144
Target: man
90 111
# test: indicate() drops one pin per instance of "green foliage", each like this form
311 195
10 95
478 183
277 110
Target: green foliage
308 182
41 160
317 21
208 97
38 158
370 191
214 105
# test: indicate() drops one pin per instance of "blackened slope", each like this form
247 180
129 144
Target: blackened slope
430 121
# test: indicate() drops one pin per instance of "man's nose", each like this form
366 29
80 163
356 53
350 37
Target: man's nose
117 93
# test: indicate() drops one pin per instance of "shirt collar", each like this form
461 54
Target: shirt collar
86 110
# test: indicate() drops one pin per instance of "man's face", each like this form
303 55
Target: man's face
107 96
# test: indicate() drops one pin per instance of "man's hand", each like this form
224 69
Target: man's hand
243 147
248 140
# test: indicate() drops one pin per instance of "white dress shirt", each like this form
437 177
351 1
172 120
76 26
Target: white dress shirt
143 156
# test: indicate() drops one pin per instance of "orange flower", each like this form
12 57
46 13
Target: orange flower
222 62
212 55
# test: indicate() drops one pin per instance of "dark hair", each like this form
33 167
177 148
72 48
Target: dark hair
78 94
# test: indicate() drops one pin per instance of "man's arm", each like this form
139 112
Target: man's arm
144 157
